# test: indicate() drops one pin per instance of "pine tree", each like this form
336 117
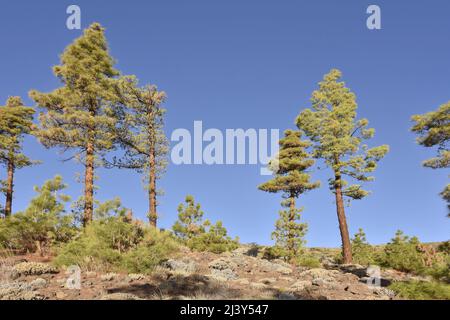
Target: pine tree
433 129
337 136
360 239
190 216
140 133
199 234
16 120
362 251
289 232
43 223
292 180
79 116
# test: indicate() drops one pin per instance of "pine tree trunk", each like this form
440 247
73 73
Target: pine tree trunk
9 189
346 245
153 216
291 247
89 184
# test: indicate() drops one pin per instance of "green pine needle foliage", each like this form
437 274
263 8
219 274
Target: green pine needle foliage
363 253
81 111
190 217
81 115
419 290
433 129
140 128
43 224
331 123
201 235
16 121
214 239
292 180
307 261
407 254
401 254
289 233
117 244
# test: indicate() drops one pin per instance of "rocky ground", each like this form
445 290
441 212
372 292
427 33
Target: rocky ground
236 275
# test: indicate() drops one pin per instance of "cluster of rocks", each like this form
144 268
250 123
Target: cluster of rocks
234 265
334 284
275 266
242 272
25 290
385 277
19 291
222 269
180 266
248 272
32 268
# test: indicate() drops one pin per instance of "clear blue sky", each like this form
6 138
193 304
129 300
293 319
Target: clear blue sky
254 64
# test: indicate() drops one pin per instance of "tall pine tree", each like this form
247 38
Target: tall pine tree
338 139
140 133
79 116
433 129
292 180
16 120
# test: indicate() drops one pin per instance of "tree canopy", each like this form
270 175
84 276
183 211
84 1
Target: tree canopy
292 179
141 136
433 129
331 124
16 121
80 116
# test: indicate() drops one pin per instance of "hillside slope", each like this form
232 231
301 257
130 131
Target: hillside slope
240 274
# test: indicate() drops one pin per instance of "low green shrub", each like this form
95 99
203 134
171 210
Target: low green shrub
213 239
155 247
419 290
409 255
200 235
402 254
114 244
444 247
272 253
308 261
440 270
303 258
89 253
363 253
43 224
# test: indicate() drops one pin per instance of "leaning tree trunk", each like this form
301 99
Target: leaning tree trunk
89 184
346 245
153 216
9 188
